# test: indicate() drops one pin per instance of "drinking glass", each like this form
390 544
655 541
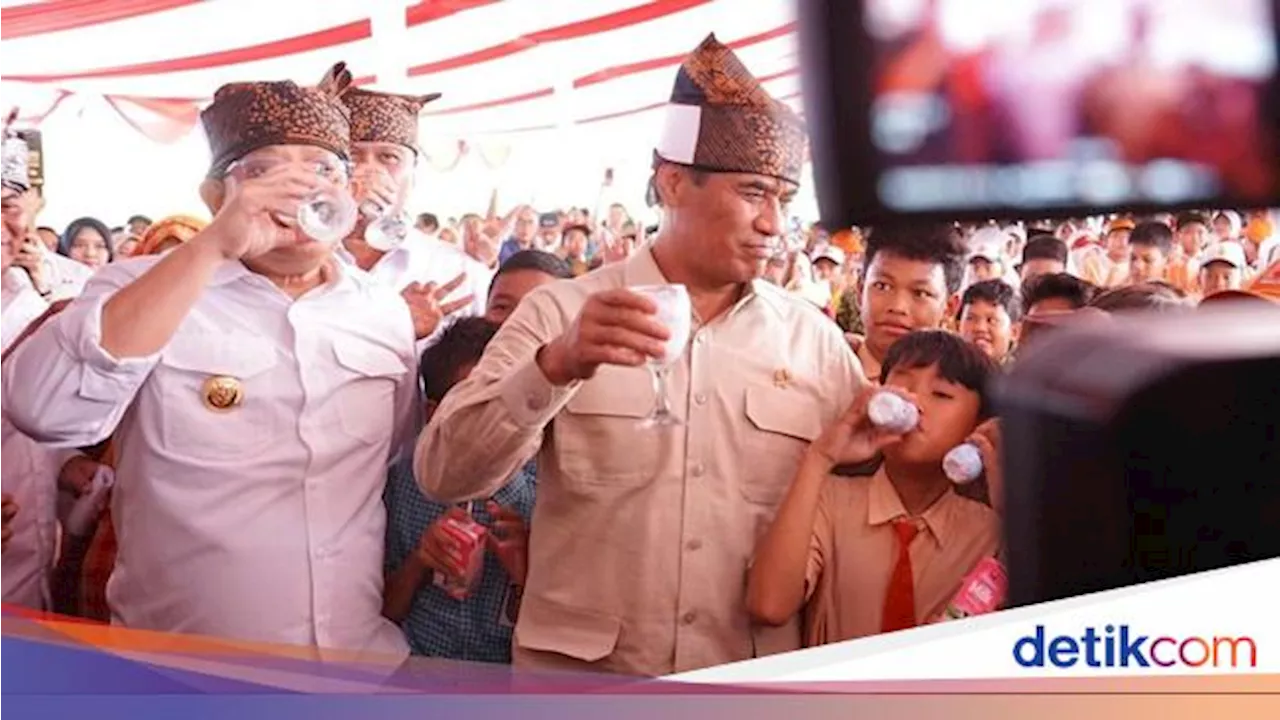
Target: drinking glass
328 215
387 229
675 312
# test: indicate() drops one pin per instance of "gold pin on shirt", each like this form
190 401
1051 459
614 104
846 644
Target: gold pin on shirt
222 393
782 378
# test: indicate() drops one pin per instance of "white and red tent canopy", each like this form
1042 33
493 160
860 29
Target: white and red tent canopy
539 95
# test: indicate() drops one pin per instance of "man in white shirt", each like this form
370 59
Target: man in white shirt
384 152
256 388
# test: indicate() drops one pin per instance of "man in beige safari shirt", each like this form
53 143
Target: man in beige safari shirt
641 537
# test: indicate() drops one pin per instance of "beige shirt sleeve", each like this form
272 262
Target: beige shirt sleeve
819 542
492 423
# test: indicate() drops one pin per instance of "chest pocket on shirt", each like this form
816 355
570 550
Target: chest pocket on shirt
365 397
190 427
783 423
599 440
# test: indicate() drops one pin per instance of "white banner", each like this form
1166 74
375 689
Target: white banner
1219 622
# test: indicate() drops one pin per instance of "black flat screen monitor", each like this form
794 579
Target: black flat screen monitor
971 109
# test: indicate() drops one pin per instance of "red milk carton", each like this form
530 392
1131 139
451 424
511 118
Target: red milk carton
469 536
982 591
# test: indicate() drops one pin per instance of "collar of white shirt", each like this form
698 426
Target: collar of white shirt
231 272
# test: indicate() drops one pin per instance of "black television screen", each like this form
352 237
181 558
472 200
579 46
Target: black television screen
978 108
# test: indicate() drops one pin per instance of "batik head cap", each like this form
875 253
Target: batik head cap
385 117
251 115
721 119
16 158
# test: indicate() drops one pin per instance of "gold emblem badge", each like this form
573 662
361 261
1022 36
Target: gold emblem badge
222 393
782 378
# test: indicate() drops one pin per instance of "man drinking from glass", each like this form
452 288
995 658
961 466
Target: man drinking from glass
258 388
643 530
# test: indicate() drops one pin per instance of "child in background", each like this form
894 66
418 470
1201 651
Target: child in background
1055 293
989 317
1150 247
865 555
479 627
1044 254
1222 268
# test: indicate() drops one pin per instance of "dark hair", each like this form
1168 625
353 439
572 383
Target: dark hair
586 231
958 361
1043 246
1075 291
937 244
543 262
430 220
46 228
1152 234
138 218
996 292
69 235
1184 219
1143 296
653 198
462 343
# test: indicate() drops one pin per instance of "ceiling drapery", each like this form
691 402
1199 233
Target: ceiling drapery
506 68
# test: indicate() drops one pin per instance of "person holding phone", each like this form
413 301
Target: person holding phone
259 386
51 276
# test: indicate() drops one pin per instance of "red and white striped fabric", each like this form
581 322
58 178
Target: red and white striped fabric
504 67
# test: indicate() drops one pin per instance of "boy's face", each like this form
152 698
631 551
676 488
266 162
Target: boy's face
1219 276
1193 237
824 269
900 296
983 269
989 327
1118 245
1146 263
948 414
509 289
1222 228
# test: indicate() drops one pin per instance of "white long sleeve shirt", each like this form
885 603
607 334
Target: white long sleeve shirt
30 475
263 522
20 305
423 259
66 277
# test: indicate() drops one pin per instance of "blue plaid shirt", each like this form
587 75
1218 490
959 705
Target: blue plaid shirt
477 628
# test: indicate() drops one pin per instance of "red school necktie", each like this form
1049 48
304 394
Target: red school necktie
900 599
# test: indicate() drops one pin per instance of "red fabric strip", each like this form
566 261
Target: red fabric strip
582 28
532 95
419 14
302 43
655 63
57 15
428 10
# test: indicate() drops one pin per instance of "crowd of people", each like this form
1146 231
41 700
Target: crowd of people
286 440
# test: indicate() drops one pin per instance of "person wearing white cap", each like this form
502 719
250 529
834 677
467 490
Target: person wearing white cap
987 258
1222 267
821 291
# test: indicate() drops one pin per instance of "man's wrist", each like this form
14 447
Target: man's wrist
550 359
